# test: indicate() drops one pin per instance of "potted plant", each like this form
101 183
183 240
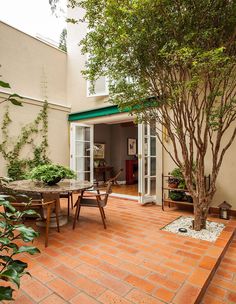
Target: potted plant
173 182
176 195
50 174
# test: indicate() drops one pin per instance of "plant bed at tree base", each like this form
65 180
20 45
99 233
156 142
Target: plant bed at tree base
210 234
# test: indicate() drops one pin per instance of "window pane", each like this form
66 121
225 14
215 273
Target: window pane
82 148
153 186
82 164
153 146
153 166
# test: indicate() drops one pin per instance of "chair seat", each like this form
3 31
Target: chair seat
91 202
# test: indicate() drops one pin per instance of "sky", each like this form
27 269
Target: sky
33 17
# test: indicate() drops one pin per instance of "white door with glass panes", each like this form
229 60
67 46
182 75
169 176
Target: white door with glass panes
81 147
147 155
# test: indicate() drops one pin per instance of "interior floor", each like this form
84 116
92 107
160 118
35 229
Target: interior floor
126 189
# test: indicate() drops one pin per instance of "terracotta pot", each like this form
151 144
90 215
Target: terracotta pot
172 185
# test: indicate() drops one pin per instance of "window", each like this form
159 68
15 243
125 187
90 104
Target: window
100 87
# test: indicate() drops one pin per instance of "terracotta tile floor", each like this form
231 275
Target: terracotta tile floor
132 261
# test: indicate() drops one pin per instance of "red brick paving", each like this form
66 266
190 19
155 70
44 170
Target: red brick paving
132 261
222 288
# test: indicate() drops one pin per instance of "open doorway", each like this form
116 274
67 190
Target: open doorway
116 150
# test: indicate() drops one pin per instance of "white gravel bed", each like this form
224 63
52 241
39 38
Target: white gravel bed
210 234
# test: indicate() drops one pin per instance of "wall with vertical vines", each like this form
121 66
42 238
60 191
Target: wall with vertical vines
12 149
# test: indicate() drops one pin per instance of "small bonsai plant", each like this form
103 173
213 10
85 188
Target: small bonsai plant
50 173
11 231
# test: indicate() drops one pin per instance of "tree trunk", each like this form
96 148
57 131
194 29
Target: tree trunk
201 207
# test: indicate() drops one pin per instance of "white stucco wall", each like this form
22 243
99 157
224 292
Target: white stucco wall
58 129
76 84
29 64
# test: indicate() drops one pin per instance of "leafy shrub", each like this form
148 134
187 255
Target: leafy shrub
50 173
176 195
11 231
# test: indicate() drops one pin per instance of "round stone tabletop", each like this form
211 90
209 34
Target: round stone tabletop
65 185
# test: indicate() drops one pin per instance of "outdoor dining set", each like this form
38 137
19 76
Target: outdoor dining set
45 199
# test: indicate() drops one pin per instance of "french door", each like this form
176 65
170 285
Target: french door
149 190
81 149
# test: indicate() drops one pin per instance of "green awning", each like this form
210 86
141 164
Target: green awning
106 111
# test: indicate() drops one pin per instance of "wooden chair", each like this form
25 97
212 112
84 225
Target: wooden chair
96 200
44 209
113 180
69 196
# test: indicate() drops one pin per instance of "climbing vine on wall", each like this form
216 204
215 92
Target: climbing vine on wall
12 149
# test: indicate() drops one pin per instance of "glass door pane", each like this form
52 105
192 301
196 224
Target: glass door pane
82 151
147 163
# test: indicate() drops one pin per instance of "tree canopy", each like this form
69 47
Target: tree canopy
172 62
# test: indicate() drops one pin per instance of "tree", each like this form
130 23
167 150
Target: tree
62 42
180 58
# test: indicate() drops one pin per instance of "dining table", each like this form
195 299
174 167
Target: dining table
49 192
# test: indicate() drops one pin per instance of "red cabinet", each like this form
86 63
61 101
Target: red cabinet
131 171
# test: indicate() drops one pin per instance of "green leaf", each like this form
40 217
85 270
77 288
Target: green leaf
4 84
15 102
13 246
6 293
6 258
29 249
11 275
30 212
27 233
15 95
18 265
4 241
6 204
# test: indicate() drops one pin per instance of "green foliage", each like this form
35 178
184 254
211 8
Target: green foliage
15 99
63 40
51 173
177 173
176 195
11 232
11 149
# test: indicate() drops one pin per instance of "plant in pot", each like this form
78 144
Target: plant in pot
50 174
173 182
176 195
177 174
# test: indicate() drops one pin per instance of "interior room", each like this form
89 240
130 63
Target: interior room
115 155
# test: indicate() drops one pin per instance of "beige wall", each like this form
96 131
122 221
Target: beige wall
58 150
76 84
27 63
225 183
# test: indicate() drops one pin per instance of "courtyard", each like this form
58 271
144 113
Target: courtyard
132 261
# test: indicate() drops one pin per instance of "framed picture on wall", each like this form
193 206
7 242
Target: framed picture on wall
132 146
99 151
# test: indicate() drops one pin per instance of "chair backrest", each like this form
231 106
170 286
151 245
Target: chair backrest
104 196
113 179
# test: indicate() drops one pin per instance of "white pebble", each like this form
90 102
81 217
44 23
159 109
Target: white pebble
210 234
